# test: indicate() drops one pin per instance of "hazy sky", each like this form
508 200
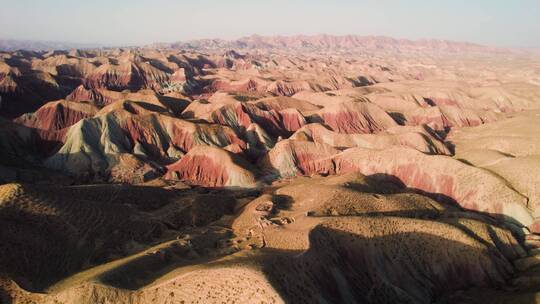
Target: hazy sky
125 22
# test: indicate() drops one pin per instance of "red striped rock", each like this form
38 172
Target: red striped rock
356 117
94 144
240 115
441 176
82 94
296 157
58 115
212 167
128 72
472 188
50 123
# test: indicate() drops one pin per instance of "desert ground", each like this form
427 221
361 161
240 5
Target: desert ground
302 169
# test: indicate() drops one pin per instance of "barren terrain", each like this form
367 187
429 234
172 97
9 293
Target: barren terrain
304 169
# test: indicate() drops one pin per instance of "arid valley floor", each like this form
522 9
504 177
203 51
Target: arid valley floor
304 169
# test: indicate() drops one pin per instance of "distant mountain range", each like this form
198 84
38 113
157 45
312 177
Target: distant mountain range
34 45
317 42
332 42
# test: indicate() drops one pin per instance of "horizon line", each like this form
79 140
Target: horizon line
113 45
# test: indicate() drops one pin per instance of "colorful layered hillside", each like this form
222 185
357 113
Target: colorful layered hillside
356 117
439 176
212 167
96 145
308 169
276 123
293 157
129 71
58 115
418 138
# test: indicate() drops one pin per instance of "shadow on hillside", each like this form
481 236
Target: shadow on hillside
387 184
381 181
177 105
398 117
35 266
281 265
59 231
14 104
4 297
339 267
347 266
344 267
